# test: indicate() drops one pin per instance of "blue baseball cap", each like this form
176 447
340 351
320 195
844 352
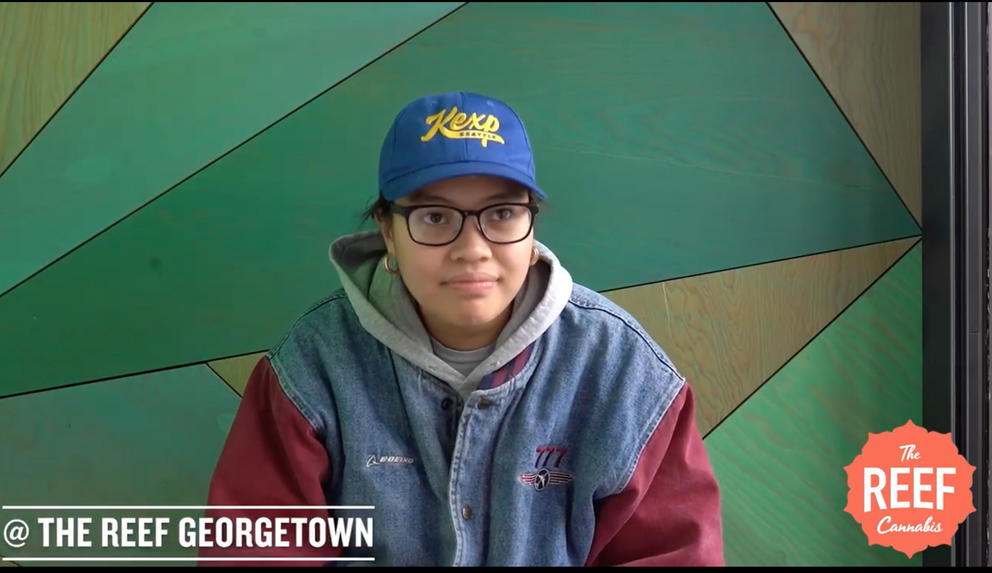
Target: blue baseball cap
447 135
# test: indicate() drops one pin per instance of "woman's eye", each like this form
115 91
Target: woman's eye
502 214
435 218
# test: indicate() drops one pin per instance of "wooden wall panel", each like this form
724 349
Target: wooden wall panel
728 332
235 371
780 457
46 49
868 56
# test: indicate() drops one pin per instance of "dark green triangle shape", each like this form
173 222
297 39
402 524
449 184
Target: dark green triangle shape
673 139
188 83
780 456
150 439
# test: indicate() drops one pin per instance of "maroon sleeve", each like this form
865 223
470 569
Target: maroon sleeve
272 457
669 513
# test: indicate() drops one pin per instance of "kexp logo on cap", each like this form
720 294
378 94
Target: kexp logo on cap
450 135
909 489
455 124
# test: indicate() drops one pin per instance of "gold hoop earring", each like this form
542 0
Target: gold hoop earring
389 268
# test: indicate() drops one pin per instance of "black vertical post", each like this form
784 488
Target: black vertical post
955 100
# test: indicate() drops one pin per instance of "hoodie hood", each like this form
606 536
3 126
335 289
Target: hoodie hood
388 312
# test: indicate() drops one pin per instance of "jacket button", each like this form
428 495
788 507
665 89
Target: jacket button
446 403
483 404
467 512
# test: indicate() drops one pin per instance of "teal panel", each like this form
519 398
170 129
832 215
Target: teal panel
144 440
188 83
780 457
674 139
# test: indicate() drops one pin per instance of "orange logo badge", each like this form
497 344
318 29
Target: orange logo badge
909 489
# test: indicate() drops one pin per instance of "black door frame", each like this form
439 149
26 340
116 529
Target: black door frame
956 313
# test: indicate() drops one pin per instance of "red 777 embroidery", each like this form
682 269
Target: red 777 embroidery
549 461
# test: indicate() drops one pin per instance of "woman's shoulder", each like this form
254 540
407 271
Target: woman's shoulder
584 297
592 307
326 317
600 320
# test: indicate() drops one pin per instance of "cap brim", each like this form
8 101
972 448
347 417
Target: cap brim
406 184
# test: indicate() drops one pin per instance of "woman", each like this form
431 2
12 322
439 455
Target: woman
491 411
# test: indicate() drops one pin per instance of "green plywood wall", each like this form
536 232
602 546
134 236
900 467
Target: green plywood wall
780 457
674 139
664 156
115 441
728 332
142 440
50 48
188 83
868 56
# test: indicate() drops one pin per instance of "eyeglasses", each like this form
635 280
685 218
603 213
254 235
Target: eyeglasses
438 225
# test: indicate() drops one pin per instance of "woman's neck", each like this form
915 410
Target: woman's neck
462 338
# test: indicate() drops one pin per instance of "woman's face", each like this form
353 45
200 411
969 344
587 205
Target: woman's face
464 288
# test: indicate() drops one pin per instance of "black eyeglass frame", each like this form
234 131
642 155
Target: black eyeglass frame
534 208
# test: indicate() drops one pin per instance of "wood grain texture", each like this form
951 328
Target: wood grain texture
236 371
728 332
868 56
780 457
46 49
188 83
724 153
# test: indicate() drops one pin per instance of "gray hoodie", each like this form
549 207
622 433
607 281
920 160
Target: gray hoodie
388 312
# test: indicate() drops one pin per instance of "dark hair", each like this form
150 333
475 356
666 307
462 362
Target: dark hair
378 208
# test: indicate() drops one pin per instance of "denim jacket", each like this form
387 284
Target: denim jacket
575 443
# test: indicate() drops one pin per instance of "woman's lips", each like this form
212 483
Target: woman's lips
472 282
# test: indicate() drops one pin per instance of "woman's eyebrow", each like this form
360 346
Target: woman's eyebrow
424 197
